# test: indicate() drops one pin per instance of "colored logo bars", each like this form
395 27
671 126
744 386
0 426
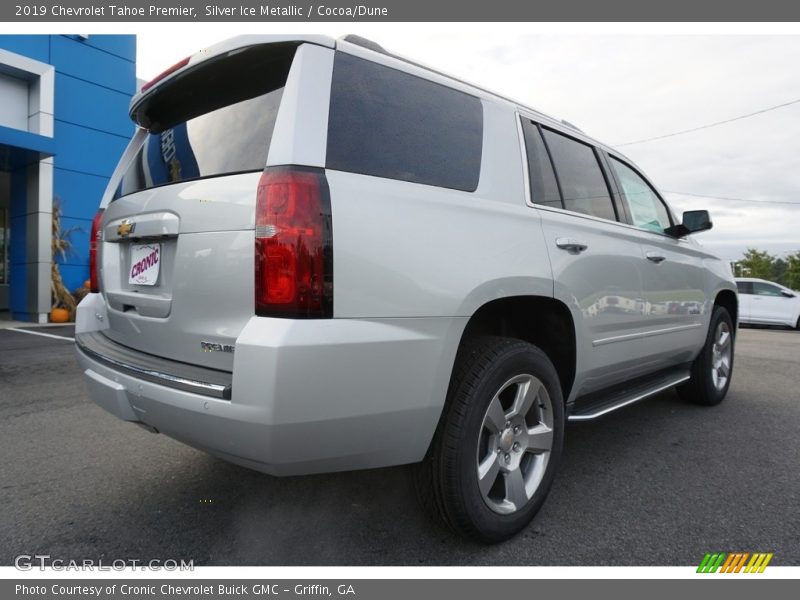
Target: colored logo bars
735 562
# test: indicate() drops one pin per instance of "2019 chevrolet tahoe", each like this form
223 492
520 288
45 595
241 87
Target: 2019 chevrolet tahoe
318 256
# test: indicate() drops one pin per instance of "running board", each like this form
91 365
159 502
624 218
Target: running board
600 403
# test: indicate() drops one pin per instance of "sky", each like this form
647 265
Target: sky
622 88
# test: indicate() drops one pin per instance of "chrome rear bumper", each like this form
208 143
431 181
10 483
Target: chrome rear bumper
169 373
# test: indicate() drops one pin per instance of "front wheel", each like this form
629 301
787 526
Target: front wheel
713 368
496 450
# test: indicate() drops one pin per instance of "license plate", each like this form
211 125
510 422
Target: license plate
145 264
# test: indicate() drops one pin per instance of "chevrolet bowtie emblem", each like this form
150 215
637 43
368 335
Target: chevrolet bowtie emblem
125 228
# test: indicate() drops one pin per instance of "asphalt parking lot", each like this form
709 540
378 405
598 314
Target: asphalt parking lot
658 483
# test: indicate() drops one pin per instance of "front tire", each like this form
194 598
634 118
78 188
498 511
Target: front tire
713 368
495 453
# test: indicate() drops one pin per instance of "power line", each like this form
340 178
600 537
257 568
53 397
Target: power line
739 118
733 199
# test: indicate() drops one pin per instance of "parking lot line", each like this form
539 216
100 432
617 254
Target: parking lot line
49 335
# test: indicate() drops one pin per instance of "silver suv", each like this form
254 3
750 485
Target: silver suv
317 256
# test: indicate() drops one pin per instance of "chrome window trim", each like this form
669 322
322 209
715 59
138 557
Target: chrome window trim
525 166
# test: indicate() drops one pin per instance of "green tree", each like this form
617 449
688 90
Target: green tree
758 263
792 275
779 271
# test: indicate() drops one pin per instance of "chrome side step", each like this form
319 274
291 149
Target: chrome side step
598 404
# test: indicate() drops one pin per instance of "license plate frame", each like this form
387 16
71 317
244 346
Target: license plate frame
145 264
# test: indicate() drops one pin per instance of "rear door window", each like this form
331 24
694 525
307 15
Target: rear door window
744 287
583 186
388 123
544 189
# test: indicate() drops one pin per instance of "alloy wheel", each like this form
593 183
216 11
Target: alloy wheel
514 443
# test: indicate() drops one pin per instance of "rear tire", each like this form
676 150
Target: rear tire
498 444
713 368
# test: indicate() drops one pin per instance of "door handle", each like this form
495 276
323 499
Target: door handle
655 257
571 245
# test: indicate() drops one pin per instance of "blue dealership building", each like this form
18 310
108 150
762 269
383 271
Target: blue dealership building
63 126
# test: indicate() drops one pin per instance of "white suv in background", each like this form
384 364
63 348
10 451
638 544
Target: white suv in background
317 256
766 303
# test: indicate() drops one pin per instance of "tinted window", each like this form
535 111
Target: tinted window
228 140
766 289
582 183
646 208
544 189
213 119
387 123
745 287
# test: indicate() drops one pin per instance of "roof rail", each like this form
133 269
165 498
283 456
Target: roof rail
357 40
571 126
364 43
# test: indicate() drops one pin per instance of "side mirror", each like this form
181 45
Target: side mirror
787 293
694 221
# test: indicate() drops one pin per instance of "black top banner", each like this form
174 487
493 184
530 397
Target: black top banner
400 11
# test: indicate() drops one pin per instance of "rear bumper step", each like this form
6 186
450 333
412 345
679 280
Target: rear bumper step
597 404
169 373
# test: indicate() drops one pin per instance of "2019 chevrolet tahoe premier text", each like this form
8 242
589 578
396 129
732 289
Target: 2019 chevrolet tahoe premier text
317 256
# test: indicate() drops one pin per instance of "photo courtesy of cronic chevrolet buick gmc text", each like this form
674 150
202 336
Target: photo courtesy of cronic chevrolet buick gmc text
317 256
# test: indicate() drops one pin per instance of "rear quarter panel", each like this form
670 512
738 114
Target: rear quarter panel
410 250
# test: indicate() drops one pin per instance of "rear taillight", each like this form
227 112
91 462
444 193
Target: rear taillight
94 242
294 244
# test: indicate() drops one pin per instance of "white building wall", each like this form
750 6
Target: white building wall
14 100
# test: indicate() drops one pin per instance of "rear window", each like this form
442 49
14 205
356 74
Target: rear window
216 120
387 123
